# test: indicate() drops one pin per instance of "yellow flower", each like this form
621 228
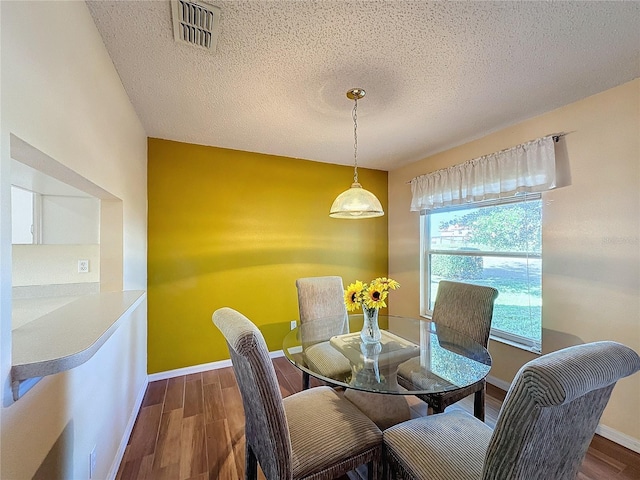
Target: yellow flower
369 295
353 296
376 295
389 283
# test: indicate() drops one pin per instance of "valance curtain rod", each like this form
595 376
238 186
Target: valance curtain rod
525 168
556 138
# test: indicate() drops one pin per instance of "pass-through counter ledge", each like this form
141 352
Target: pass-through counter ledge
67 337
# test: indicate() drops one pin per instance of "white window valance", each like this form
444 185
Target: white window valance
529 167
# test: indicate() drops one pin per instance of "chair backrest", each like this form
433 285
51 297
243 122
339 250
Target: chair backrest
266 428
552 410
321 307
466 308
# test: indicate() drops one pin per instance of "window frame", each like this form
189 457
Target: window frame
510 338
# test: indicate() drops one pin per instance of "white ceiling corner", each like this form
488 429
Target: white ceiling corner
436 74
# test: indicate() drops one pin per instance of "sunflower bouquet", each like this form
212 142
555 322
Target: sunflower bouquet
370 295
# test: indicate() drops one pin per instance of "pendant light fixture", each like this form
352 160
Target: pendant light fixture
356 202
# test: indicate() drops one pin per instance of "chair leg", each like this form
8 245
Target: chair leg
386 467
390 467
478 404
305 381
251 463
372 473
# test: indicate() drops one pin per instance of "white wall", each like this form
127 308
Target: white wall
590 238
70 220
54 264
61 94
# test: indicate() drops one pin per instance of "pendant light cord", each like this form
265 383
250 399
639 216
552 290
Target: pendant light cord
355 202
355 140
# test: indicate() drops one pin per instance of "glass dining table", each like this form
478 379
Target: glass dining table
413 356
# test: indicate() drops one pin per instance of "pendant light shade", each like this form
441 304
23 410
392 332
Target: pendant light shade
356 202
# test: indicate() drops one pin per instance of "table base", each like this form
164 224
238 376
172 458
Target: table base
384 410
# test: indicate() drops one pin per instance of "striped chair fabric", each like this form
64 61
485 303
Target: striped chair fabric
315 434
322 314
543 431
468 309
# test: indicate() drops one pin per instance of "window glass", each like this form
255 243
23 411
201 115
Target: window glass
498 244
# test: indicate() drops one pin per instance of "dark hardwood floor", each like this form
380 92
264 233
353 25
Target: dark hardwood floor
192 428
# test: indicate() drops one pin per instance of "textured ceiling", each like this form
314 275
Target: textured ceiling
437 74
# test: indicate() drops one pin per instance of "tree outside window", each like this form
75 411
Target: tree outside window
498 244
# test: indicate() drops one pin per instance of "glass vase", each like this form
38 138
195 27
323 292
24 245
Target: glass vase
370 331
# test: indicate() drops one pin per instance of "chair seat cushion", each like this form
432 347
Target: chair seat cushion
448 446
326 429
327 361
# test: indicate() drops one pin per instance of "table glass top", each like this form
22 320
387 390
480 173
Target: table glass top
413 356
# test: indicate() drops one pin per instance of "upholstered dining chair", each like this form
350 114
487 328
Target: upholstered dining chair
314 434
322 314
543 430
467 309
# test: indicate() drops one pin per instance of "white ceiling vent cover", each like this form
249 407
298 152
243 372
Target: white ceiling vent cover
195 23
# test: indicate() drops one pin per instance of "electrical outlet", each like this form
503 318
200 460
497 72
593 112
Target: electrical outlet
83 266
92 462
294 324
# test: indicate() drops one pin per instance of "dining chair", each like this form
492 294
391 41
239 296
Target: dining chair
467 309
323 314
543 431
313 434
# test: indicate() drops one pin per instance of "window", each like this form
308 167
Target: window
496 243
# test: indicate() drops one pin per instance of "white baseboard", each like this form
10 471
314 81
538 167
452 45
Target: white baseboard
189 370
496 382
113 471
619 438
203 367
602 430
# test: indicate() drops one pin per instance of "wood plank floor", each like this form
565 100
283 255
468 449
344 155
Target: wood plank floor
192 428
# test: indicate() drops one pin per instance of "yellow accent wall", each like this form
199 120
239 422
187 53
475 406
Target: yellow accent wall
233 228
590 238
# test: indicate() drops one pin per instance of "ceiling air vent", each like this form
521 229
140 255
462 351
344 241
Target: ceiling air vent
195 23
